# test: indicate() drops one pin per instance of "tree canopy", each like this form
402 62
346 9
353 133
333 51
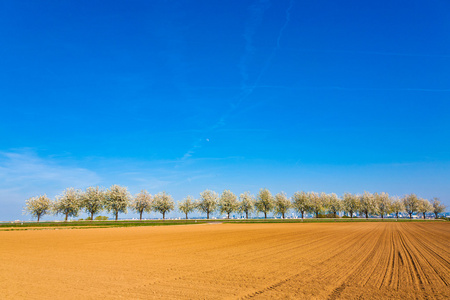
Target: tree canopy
38 206
228 203
141 202
163 203
117 199
68 203
208 202
187 205
264 202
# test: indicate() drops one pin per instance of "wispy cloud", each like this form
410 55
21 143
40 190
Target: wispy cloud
197 144
24 172
189 153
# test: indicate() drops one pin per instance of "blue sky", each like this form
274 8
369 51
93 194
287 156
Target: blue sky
333 96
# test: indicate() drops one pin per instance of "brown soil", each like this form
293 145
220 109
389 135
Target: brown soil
264 261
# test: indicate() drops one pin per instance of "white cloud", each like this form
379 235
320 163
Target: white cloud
24 174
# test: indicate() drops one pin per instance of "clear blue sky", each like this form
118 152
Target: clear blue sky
333 96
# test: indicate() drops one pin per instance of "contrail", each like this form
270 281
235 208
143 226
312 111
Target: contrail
249 90
327 88
351 89
256 16
372 53
288 18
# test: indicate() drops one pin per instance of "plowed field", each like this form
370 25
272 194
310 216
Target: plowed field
263 261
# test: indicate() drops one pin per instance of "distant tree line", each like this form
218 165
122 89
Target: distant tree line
117 199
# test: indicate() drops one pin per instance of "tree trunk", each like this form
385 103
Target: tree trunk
228 215
246 215
140 216
382 216
207 215
67 214
424 216
436 214
283 215
410 216
317 214
265 215
186 216
39 216
302 214
396 214
351 215
164 215
117 215
367 215
335 215
92 216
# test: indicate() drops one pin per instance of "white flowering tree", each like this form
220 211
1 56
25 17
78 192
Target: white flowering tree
334 204
397 206
246 203
163 203
92 200
141 202
317 202
208 202
228 203
117 199
300 202
351 203
187 205
264 202
282 204
38 206
68 203
411 204
383 203
424 207
367 204
438 208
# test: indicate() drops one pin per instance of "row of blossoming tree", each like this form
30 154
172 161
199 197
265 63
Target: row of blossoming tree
117 200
